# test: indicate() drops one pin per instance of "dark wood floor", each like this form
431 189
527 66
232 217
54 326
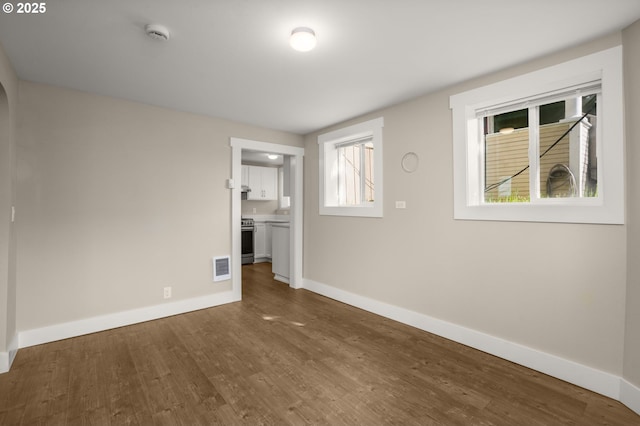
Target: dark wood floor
284 356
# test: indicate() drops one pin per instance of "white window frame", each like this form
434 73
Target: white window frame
328 169
608 207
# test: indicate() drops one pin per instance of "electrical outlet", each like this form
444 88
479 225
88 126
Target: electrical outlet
167 292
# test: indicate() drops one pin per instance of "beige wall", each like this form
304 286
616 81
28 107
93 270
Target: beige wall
632 92
567 298
8 106
117 201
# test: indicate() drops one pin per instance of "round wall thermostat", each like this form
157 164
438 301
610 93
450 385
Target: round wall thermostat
410 162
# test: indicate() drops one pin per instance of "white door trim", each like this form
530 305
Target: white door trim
296 228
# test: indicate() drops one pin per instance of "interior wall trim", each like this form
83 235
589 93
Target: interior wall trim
6 358
4 362
630 395
66 330
604 383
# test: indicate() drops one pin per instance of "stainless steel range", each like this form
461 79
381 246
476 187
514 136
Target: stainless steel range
247 240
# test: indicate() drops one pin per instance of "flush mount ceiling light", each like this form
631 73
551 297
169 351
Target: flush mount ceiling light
272 156
303 39
157 32
506 130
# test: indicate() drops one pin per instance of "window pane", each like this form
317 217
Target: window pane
349 175
346 174
368 172
568 163
515 119
355 174
506 148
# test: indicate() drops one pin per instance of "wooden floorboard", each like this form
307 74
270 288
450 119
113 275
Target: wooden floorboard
284 357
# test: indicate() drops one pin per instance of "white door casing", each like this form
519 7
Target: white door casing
296 216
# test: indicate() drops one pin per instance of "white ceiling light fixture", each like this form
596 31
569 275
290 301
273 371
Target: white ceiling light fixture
157 32
303 39
272 156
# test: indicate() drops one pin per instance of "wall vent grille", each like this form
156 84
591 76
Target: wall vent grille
221 268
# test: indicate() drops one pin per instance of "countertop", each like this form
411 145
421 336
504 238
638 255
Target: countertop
280 224
268 218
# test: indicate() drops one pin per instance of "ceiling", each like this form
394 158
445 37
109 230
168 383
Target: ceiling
258 157
231 58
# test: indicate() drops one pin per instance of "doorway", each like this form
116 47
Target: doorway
295 180
8 331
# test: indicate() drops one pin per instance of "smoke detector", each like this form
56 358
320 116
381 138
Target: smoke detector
157 32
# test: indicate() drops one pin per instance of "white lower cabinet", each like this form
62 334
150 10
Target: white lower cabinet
268 239
280 251
259 242
262 242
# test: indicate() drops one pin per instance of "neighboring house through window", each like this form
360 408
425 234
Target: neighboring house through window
563 135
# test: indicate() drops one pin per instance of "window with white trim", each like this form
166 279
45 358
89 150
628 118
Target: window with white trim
351 170
546 146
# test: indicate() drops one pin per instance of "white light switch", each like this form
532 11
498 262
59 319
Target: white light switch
401 204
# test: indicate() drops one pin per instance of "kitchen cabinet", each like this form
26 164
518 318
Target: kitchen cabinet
268 239
263 182
260 242
280 251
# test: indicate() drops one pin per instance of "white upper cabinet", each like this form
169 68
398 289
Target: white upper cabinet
263 182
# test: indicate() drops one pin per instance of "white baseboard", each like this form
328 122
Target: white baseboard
4 362
281 278
6 358
590 378
105 322
630 395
